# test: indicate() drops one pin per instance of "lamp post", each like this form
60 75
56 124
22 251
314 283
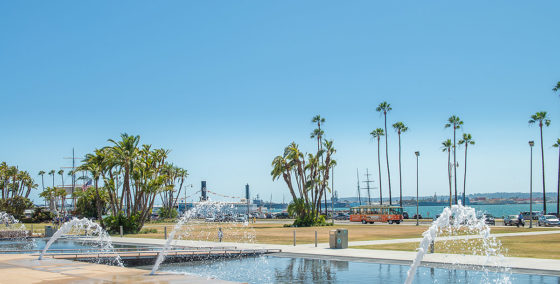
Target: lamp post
417 153
531 144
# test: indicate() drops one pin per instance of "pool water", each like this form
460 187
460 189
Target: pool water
39 244
269 269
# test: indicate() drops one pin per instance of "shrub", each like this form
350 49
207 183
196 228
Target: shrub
148 231
166 213
130 225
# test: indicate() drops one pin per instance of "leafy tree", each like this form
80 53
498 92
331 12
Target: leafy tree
455 122
542 119
16 205
467 140
447 148
400 128
86 204
376 134
385 107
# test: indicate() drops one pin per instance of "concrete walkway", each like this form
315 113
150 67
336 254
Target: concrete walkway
24 268
517 264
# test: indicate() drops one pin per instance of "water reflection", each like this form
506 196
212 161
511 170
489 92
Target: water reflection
269 269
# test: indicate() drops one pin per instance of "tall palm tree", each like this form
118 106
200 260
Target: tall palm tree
400 128
318 133
455 122
61 173
377 133
543 120
557 87
557 145
42 174
385 108
51 173
447 148
467 140
125 152
93 164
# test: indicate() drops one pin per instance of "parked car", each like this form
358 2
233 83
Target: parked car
405 215
283 215
489 219
535 215
512 220
548 220
241 218
342 216
419 216
210 219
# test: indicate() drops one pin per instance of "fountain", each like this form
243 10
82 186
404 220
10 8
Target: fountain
88 227
12 228
236 231
461 220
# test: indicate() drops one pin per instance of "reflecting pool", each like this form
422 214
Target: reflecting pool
270 269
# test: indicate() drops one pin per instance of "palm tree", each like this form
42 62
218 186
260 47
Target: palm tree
400 128
318 133
455 122
377 133
557 88
447 148
61 173
467 140
557 145
93 163
51 173
125 152
42 174
543 120
385 108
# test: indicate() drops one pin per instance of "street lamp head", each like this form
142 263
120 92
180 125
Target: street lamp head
417 153
531 143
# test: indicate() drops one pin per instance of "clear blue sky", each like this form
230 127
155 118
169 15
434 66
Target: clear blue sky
227 84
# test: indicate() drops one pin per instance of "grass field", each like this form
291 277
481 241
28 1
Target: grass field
539 246
277 234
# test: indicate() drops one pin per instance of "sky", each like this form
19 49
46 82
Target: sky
226 85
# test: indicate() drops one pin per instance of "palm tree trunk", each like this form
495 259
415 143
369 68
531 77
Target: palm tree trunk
98 205
449 177
465 176
455 162
379 167
400 174
558 190
543 184
387 158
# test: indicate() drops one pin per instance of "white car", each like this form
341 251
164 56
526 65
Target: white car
241 218
548 220
210 219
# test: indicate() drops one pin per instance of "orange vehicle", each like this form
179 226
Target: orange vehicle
376 213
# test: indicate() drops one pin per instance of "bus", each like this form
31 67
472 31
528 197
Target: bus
376 213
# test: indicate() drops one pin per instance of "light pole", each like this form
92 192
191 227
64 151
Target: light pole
417 153
531 144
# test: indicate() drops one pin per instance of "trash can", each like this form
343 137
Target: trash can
338 239
49 231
